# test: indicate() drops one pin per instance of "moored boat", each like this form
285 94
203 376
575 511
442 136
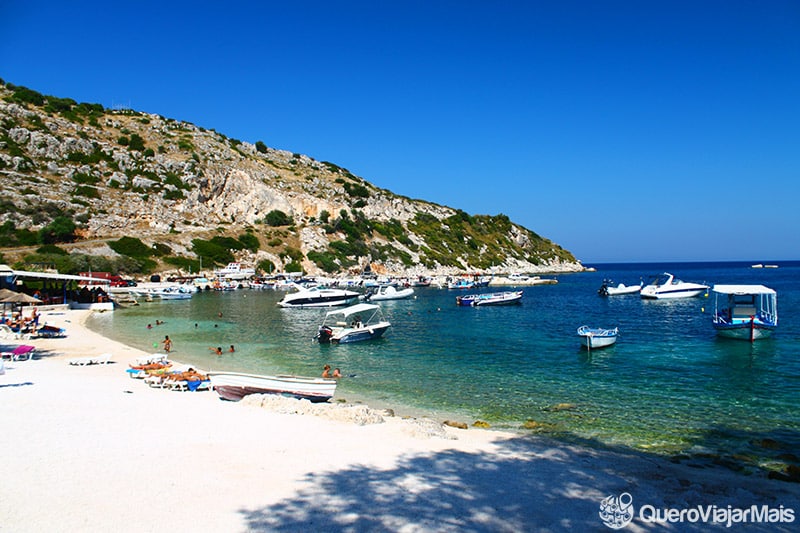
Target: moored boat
609 289
748 312
235 271
493 298
388 292
235 386
597 337
666 286
348 325
318 297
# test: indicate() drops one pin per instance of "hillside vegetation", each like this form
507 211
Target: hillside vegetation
89 187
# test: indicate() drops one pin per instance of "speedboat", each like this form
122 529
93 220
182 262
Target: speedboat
597 337
494 298
234 386
666 286
347 325
609 289
318 297
748 312
388 292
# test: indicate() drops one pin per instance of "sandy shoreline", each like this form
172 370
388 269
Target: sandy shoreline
89 449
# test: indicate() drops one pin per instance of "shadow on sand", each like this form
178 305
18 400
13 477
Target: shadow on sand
527 485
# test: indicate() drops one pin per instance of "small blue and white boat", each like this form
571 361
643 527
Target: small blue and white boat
597 337
494 298
748 312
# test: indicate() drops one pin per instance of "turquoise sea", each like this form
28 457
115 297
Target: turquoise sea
669 385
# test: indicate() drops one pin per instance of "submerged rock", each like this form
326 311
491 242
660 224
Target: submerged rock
453 424
481 424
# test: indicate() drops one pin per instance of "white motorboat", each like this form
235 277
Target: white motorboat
235 386
348 324
318 297
494 298
597 337
235 271
388 292
609 289
748 312
666 286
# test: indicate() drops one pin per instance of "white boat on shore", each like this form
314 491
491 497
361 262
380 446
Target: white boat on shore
666 286
597 337
748 312
234 386
348 325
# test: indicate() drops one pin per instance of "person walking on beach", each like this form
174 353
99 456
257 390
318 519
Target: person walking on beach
167 344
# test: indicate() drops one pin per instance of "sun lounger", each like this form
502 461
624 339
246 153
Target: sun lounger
150 359
136 373
8 333
22 351
102 359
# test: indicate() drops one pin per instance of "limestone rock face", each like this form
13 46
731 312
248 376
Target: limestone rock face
126 173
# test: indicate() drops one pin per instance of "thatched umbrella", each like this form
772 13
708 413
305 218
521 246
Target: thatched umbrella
20 298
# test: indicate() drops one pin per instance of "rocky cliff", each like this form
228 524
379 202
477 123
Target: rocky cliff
116 173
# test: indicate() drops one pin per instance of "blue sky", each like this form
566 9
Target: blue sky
621 130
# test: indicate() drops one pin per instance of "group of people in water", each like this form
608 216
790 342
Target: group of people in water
326 372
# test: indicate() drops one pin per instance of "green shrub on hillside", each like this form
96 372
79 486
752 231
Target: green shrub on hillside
278 218
131 246
211 252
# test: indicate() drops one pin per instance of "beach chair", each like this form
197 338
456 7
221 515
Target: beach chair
7 333
102 359
22 351
80 361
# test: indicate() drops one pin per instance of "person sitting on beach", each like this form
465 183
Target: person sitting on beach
337 373
326 371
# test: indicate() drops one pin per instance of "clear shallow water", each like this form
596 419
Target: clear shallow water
669 384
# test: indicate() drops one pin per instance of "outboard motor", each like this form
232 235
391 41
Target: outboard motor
324 334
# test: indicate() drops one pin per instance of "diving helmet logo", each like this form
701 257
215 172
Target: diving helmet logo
617 511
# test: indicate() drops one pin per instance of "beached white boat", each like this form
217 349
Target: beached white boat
666 286
597 337
609 289
235 386
358 322
748 312
493 298
388 292
318 297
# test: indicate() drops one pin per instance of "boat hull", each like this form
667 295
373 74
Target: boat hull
493 299
235 386
672 294
362 334
319 300
593 338
744 332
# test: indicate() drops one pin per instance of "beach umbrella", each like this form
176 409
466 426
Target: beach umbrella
6 293
20 298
